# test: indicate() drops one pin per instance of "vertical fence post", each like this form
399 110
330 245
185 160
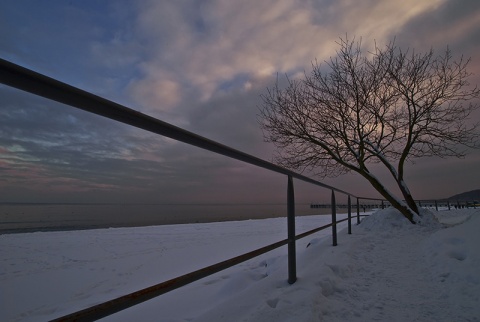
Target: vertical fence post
358 211
292 266
436 205
334 219
383 205
349 215
448 204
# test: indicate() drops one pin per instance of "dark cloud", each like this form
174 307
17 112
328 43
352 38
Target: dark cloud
452 23
201 66
54 148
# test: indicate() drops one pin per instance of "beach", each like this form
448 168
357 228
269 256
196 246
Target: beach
21 218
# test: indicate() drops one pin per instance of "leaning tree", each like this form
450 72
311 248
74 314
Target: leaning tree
388 106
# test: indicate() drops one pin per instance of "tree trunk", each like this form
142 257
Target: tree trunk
408 196
403 208
411 203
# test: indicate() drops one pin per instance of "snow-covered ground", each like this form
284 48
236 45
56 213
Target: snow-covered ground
387 269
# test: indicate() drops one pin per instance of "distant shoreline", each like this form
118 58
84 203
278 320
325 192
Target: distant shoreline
26 230
9 203
37 217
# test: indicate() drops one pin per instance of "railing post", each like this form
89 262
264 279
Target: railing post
334 220
292 266
436 205
349 216
448 204
358 211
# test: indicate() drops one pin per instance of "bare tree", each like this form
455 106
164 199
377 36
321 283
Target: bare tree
387 106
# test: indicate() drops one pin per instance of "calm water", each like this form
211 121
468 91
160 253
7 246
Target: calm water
16 218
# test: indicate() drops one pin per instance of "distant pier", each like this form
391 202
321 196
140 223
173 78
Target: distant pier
457 204
365 206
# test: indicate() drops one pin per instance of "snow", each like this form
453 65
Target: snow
388 269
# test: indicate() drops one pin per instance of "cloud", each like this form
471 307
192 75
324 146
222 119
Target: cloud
158 92
449 24
50 149
47 142
201 65
212 42
208 62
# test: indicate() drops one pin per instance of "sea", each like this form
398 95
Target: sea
32 217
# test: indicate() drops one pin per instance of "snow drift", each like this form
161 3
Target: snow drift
388 269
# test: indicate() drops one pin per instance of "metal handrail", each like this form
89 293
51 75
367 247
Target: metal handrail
27 80
123 302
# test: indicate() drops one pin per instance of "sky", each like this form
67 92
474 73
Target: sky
202 66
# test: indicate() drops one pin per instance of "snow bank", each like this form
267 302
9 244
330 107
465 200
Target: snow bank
388 269
390 218
453 260
385 220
